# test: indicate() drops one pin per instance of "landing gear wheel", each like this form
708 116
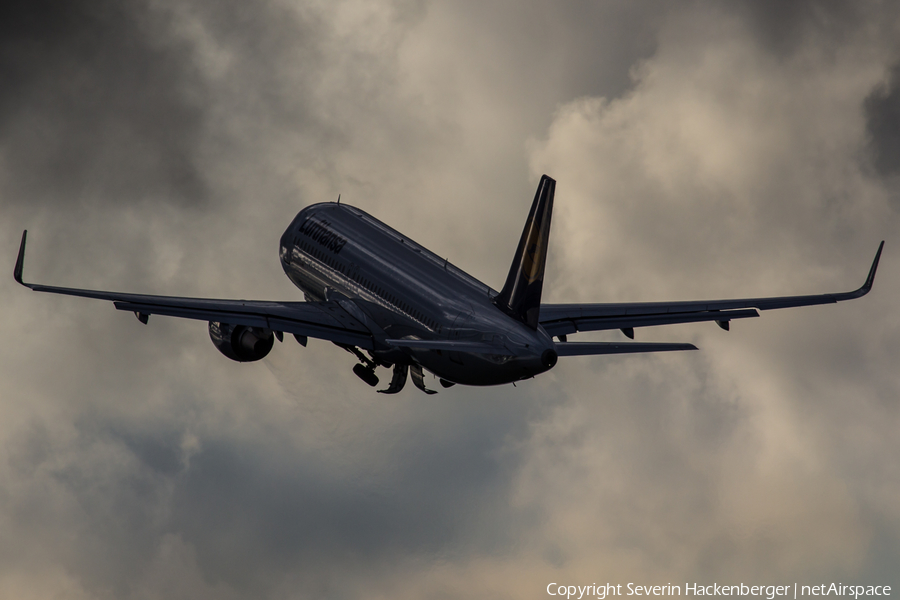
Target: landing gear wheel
366 374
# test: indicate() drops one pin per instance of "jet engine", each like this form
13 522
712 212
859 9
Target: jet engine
241 343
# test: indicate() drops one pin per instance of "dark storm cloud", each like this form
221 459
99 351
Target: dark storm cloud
156 468
600 65
248 510
783 25
113 527
253 509
269 50
883 125
96 104
555 52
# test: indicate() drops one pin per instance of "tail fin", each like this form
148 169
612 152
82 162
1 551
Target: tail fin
521 295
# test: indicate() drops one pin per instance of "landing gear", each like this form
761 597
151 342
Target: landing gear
365 370
398 380
419 379
365 373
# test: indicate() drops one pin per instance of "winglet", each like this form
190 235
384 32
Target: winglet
867 286
871 278
20 261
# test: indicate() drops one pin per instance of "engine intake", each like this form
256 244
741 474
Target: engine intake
241 343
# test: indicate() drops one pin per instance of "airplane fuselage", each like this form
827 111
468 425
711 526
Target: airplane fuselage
402 290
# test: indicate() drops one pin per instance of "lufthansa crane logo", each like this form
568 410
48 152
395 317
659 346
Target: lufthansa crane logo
533 256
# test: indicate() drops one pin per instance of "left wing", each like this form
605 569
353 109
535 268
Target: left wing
323 320
563 319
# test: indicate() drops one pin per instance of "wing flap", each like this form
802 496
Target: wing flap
572 325
301 318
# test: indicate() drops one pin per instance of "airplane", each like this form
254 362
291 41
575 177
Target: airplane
392 303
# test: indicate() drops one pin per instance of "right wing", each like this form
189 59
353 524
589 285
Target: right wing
563 319
323 320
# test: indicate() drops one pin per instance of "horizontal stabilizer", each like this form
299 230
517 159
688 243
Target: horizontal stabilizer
452 346
591 348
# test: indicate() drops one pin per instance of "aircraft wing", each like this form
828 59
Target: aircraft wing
563 319
323 320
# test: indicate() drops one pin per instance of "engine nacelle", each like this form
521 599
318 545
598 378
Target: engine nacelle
241 343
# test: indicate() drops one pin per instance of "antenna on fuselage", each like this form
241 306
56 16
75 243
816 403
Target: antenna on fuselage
339 199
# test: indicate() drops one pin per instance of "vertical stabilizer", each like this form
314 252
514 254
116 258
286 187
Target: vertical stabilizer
521 295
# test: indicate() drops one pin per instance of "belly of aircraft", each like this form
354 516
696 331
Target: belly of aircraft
475 369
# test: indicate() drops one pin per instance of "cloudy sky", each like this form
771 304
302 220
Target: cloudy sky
702 150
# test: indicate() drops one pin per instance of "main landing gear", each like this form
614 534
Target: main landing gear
398 380
365 370
365 373
419 378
